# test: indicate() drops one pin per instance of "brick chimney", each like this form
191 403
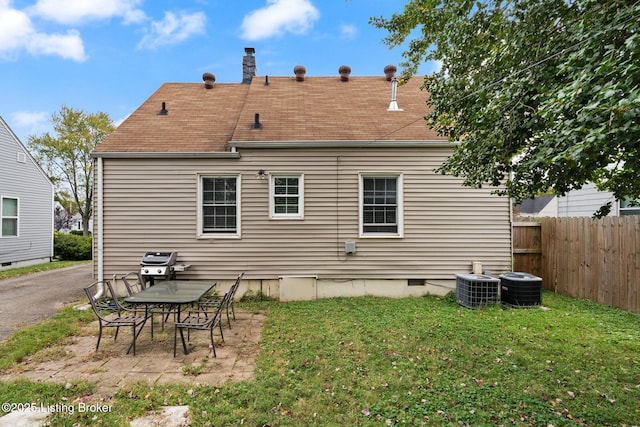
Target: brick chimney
248 65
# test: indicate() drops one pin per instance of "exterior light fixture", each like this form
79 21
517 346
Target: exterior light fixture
262 174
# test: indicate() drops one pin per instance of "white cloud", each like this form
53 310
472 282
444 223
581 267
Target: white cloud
19 34
30 123
16 26
279 17
68 46
29 118
80 11
348 31
173 29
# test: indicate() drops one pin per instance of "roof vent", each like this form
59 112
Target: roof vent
344 72
209 80
393 105
390 72
299 71
256 122
163 111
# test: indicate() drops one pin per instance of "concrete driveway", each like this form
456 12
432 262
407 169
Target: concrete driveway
28 299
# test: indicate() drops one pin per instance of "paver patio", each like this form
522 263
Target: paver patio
111 368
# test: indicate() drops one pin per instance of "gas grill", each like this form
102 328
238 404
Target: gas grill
158 266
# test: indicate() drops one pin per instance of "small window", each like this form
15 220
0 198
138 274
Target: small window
381 206
9 217
286 196
219 210
628 207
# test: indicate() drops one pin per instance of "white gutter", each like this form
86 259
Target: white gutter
52 248
168 155
342 144
99 225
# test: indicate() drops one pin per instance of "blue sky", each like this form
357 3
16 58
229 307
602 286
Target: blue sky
111 55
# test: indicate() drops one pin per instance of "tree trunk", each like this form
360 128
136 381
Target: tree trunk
85 225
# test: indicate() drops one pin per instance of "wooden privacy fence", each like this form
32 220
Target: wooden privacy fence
585 258
527 247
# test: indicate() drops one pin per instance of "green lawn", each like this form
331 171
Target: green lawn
21 271
412 361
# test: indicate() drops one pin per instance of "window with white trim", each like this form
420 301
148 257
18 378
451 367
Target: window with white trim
628 207
381 205
286 196
9 211
219 210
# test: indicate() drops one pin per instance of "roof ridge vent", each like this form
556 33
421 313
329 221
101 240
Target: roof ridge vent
345 72
299 71
390 72
209 80
393 105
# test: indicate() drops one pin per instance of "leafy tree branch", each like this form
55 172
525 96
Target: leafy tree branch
66 155
539 94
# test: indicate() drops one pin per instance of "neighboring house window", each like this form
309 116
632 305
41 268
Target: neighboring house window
286 199
381 205
627 207
220 206
9 217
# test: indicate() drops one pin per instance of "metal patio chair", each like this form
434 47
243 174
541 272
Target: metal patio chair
134 283
214 301
200 320
111 313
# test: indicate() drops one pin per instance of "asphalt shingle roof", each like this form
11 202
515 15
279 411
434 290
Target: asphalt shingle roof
316 109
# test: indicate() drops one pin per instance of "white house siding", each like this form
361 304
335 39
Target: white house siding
23 179
151 204
585 202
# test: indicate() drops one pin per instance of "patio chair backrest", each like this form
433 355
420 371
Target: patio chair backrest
133 282
216 318
228 297
107 302
235 286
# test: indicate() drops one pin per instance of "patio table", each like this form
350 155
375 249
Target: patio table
172 292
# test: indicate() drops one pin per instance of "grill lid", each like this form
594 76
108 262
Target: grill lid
159 258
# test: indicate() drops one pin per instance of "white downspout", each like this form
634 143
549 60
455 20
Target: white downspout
99 224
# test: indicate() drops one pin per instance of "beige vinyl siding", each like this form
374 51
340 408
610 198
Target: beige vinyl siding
151 204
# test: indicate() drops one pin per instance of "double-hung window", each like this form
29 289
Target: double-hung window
9 211
381 205
286 199
219 211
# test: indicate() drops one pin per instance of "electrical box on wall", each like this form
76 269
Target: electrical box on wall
350 248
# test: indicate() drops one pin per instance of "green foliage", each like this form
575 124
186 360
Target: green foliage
540 94
255 297
66 156
19 271
72 247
